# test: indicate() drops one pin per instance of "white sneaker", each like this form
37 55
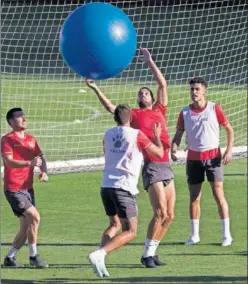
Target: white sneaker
192 241
227 241
97 260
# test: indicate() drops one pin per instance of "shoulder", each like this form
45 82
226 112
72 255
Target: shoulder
186 109
6 137
135 111
211 105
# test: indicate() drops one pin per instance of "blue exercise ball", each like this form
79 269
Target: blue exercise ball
98 41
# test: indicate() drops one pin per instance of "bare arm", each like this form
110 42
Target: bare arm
11 163
162 97
230 139
43 167
176 141
157 148
102 98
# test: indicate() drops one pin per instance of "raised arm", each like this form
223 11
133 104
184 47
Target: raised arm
230 138
162 97
102 98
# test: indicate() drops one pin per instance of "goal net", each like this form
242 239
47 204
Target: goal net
186 39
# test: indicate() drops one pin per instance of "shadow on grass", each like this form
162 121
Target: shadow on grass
170 279
94 244
78 265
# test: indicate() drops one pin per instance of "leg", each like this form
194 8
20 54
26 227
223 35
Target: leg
18 242
21 236
218 193
195 171
19 202
195 199
158 202
215 175
129 232
194 212
122 202
112 230
33 220
170 194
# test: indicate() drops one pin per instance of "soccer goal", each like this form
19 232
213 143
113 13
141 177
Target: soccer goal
186 38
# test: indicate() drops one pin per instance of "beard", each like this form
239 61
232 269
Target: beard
144 104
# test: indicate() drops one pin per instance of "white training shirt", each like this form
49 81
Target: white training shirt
123 159
202 129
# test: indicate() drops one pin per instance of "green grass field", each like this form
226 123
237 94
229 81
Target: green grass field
69 124
72 219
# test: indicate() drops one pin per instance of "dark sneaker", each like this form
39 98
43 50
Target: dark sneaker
157 261
11 262
148 262
37 261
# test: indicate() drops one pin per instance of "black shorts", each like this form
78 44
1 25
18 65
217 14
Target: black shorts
153 172
20 200
119 202
196 171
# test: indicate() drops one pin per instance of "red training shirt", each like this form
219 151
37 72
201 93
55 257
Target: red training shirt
22 149
144 120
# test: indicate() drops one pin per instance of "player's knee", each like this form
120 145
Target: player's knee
170 217
194 198
35 220
161 215
133 233
116 224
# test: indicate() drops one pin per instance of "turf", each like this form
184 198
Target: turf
72 219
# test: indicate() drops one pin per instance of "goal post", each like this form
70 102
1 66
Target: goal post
186 39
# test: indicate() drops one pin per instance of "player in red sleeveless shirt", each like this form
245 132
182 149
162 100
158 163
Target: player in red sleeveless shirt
21 153
204 155
157 174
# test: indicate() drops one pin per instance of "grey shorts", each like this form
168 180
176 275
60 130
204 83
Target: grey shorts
119 202
196 171
20 200
153 172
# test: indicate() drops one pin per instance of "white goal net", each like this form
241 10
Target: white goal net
186 39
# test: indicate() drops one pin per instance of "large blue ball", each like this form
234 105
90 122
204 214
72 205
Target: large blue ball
98 41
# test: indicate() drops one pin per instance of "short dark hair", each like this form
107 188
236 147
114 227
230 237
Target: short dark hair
198 80
11 112
122 114
153 100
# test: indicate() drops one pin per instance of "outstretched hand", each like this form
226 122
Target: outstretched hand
146 54
90 83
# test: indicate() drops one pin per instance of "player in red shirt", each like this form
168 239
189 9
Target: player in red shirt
157 174
21 153
200 120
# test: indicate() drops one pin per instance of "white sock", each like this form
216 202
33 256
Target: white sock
226 228
12 252
32 249
150 247
194 228
103 251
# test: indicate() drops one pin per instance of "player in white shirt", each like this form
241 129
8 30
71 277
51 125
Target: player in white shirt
123 147
201 121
